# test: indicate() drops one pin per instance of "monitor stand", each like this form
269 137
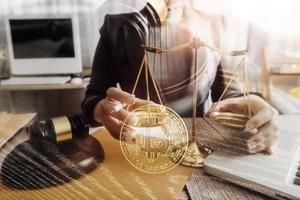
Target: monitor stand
35 165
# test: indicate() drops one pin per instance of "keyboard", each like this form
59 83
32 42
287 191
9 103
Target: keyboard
34 80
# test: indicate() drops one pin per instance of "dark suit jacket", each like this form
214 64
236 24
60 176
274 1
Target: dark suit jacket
119 55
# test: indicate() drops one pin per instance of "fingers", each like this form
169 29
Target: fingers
260 118
263 112
265 146
264 139
113 126
268 150
236 104
108 106
226 106
140 102
113 121
119 95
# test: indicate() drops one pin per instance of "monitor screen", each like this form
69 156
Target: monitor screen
42 38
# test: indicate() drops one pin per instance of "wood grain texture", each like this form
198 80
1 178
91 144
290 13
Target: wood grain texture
202 186
114 178
199 185
34 165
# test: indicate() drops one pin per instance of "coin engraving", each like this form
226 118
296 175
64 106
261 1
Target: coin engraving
154 138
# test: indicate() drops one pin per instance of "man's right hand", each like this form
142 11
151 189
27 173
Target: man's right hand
113 121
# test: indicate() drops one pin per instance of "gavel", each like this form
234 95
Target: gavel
59 129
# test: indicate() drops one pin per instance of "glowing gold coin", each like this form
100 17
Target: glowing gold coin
154 138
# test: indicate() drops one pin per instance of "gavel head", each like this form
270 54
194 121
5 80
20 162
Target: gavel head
60 129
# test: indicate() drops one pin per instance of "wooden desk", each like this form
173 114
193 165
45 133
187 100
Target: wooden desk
199 185
114 178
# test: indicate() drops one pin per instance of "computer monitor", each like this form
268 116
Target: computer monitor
44 45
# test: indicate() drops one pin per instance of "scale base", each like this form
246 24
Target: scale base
195 155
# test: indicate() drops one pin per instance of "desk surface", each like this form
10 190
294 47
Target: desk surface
199 185
67 86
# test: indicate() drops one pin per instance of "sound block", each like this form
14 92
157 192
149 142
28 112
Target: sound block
41 164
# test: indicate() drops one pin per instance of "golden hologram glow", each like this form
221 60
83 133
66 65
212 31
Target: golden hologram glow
149 153
195 154
154 138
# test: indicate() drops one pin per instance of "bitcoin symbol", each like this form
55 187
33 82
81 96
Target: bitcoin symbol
156 141
154 146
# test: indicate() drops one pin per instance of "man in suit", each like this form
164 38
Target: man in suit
165 24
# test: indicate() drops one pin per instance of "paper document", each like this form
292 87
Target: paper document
10 124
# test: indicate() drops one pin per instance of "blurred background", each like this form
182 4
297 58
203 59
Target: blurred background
268 29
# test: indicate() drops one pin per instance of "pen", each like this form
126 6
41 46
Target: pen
118 107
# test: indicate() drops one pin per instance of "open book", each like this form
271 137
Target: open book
10 124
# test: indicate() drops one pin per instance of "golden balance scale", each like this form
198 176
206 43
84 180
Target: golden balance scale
193 155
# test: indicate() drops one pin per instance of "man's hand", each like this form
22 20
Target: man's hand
113 121
264 119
